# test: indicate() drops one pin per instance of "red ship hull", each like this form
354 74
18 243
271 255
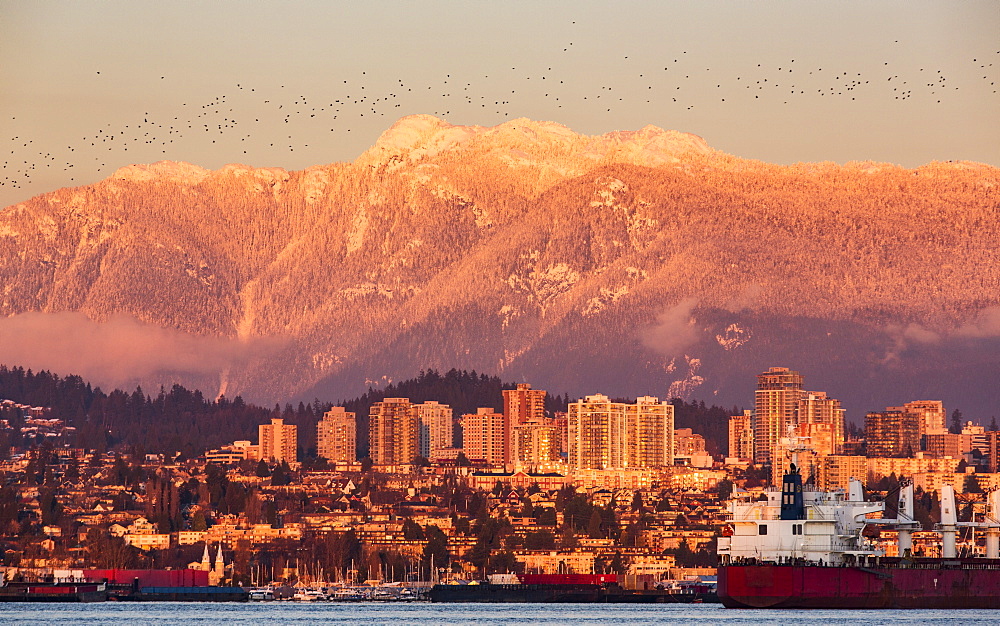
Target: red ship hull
928 584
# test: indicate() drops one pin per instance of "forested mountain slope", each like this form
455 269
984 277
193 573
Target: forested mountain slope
624 263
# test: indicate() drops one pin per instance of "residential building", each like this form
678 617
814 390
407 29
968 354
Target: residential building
816 409
933 481
634 479
689 449
894 432
547 481
741 436
561 419
974 439
485 436
836 471
607 435
943 445
797 448
902 467
776 404
931 416
536 442
393 432
436 427
520 405
784 409
649 433
688 443
337 436
278 441
993 450
148 541
233 453
446 455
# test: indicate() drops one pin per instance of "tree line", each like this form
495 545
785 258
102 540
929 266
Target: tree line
185 421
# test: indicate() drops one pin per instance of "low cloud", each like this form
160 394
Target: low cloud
119 350
985 325
904 337
674 331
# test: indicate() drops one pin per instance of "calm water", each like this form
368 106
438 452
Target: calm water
425 614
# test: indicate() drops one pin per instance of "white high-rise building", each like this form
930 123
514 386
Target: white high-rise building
613 435
776 405
436 427
741 436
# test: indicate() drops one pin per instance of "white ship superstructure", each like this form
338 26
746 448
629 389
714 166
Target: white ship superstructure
796 525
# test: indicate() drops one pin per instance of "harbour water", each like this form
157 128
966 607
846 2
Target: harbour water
398 614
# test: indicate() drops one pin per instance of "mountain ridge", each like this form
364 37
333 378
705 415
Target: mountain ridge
478 247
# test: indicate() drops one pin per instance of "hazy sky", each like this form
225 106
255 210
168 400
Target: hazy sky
293 84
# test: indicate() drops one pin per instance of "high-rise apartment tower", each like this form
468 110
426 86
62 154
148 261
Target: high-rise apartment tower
278 441
520 405
436 427
613 435
393 435
336 436
776 404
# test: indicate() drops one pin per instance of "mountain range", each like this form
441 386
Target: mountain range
631 263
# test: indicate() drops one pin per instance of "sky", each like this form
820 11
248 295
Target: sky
88 87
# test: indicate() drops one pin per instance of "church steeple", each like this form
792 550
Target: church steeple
206 565
220 565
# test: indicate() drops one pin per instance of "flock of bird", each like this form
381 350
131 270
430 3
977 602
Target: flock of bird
255 116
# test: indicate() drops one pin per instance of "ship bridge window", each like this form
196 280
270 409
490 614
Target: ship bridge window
796 529
761 529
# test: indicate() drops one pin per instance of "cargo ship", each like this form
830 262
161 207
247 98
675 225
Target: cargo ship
796 548
569 588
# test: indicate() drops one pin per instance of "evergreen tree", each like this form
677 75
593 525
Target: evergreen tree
724 488
956 422
594 530
436 548
545 516
567 538
263 471
637 501
505 562
412 530
971 485
540 540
